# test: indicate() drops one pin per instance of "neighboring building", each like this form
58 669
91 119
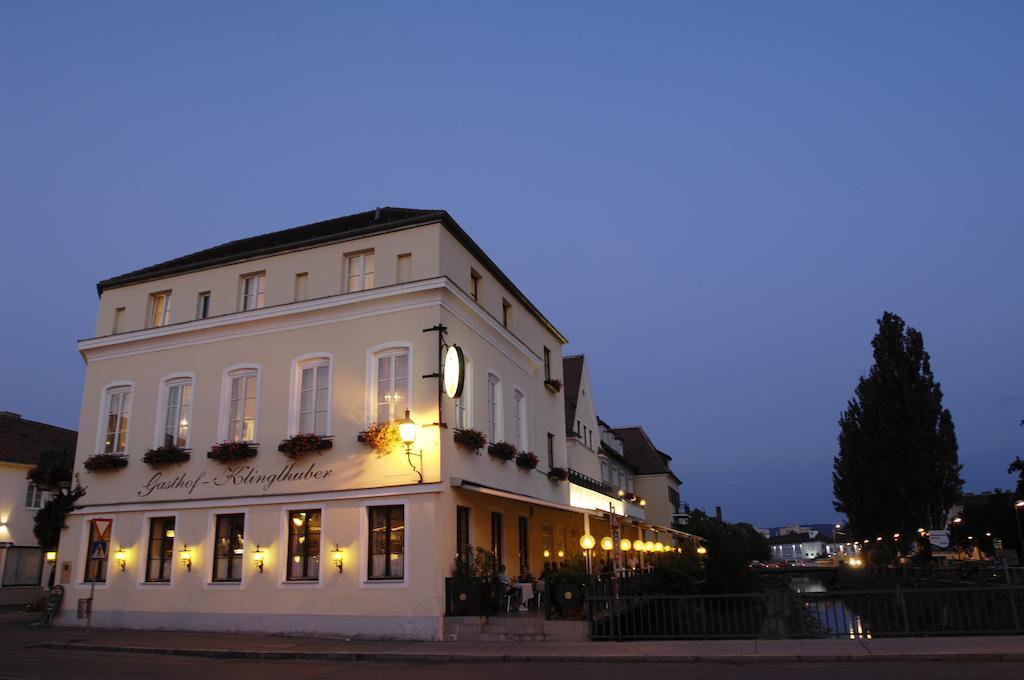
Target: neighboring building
23 443
654 481
806 543
317 329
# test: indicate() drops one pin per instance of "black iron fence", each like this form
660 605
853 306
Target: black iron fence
976 610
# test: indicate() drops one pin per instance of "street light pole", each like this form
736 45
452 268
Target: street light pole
1017 507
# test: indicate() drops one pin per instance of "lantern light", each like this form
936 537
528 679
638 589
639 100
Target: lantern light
586 542
121 558
606 543
547 553
186 557
638 545
649 546
625 544
561 553
643 502
258 556
407 429
336 556
659 547
51 556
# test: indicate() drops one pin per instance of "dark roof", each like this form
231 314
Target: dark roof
641 452
321 233
25 441
612 453
799 538
572 376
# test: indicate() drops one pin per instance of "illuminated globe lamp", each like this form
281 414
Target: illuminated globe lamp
625 545
587 542
606 543
702 551
638 545
659 547
649 546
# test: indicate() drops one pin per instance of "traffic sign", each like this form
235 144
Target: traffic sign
101 528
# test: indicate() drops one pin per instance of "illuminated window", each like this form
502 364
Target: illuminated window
391 396
178 416
229 547
118 409
160 551
387 543
303 545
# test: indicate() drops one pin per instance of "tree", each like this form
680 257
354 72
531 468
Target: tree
53 474
897 468
731 549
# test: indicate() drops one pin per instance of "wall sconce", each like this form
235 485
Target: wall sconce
336 556
121 558
186 558
51 556
257 557
561 553
407 431
643 503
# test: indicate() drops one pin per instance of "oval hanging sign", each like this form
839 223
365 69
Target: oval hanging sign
454 371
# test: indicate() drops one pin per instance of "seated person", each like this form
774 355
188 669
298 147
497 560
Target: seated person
524 575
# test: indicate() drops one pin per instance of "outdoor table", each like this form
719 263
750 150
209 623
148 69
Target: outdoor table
525 594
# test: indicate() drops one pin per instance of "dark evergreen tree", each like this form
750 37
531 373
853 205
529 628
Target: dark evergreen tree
897 468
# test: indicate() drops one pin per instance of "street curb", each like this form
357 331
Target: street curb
418 657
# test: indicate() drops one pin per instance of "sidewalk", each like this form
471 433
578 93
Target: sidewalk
728 651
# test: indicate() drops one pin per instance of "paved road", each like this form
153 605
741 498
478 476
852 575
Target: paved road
49 664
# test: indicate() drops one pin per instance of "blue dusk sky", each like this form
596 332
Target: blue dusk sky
714 201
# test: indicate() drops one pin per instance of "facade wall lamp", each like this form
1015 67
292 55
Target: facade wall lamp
51 556
258 556
185 555
336 557
407 431
121 558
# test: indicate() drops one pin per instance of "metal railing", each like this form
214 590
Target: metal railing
977 610
583 480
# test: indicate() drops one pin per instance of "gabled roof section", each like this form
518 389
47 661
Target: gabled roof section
614 455
572 376
642 454
329 231
25 441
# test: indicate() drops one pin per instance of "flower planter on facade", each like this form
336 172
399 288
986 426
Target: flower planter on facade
226 452
301 444
558 474
526 460
102 462
383 438
165 455
502 451
471 439
553 384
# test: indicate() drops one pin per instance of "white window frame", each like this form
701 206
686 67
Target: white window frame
372 354
121 387
209 545
142 559
360 259
463 406
160 424
159 309
521 431
325 548
206 297
494 426
258 296
224 421
299 364
35 496
364 544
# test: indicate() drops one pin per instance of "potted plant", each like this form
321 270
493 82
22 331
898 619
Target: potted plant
105 461
165 455
303 443
502 451
557 474
471 439
232 450
381 436
526 460
553 384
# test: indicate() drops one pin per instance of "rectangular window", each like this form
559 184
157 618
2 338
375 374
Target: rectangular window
387 543
301 287
474 284
359 272
35 497
95 567
462 546
506 313
118 320
492 407
242 415
118 409
392 386
253 289
304 545
160 552
405 268
673 499
519 406
524 543
203 305
496 538
313 397
179 413
229 547
23 567
159 309
551 450
547 364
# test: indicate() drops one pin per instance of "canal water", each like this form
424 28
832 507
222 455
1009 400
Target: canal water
830 613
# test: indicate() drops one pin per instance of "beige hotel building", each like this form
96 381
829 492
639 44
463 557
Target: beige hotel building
328 329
